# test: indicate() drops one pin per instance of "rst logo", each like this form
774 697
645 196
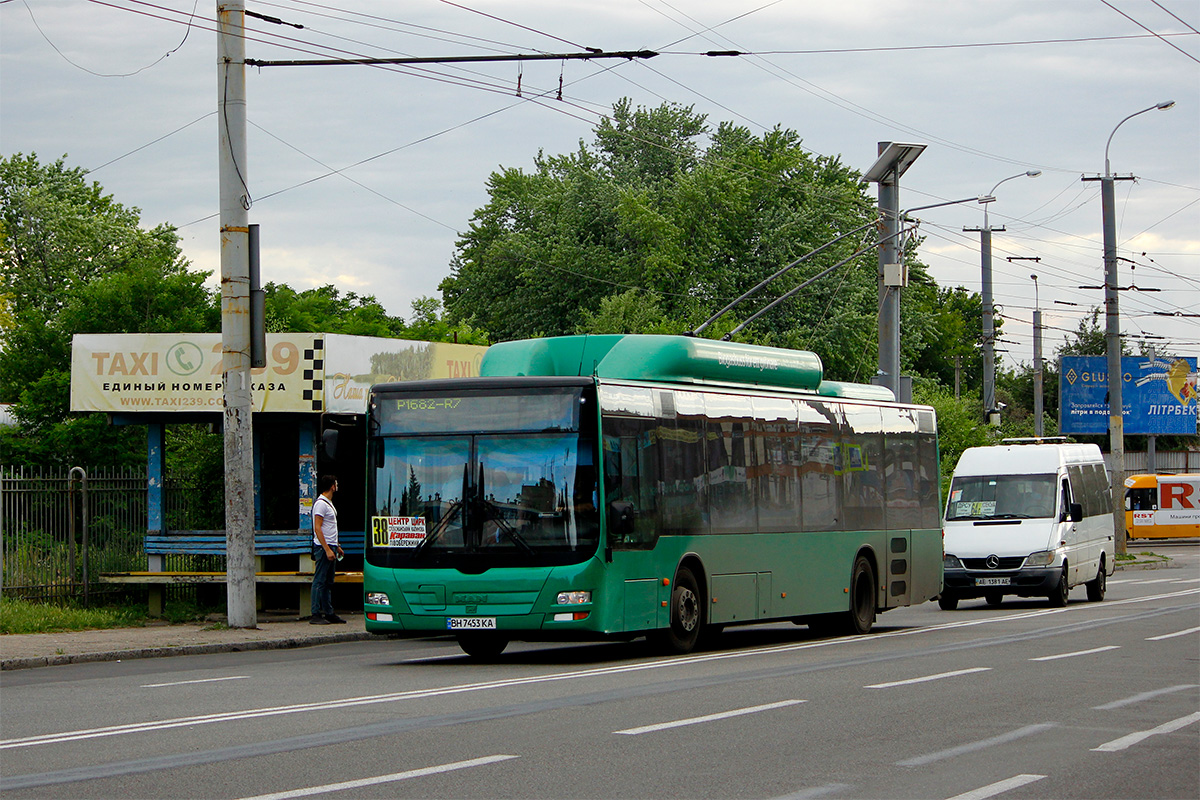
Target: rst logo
1178 495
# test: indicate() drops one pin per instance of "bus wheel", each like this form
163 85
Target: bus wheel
686 615
947 602
1058 596
994 598
1097 587
482 646
862 597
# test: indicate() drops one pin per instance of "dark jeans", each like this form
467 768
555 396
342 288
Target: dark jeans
322 585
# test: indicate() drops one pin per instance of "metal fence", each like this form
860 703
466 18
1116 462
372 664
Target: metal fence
60 528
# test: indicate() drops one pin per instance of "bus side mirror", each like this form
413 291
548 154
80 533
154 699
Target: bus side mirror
329 444
620 518
1076 512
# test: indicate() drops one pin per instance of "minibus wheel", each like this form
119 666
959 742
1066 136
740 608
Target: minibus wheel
994 598
947 602
1058 597
1097 587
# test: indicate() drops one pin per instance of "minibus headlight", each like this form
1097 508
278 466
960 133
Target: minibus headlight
951 562
378 599
1042 558
573 598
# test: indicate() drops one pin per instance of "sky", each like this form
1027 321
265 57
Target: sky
363 177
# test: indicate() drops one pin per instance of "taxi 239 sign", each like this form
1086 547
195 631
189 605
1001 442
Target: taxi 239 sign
1159 395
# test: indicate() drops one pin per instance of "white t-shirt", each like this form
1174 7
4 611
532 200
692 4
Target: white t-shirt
324 509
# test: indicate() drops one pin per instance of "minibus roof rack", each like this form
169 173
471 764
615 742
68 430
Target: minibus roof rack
1037 440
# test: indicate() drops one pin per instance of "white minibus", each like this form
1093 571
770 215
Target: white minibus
1027 519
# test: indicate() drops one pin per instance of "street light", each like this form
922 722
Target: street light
1116 422
894 159
991 413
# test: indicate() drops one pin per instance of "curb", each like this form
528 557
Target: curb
182 650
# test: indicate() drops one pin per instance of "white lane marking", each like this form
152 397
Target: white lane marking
1137 698
1172 635
1111 582
1189 580
971 747
737 712
926 678
1077 653
202 680
815 792
1128 741
395 776
1156 580
254 713
999 787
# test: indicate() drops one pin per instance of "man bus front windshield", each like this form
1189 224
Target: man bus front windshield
478 498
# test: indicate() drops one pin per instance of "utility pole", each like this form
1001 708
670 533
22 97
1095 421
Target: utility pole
990 413
1116 406
1039 428
235 315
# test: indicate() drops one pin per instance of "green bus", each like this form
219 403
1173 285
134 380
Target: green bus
620 486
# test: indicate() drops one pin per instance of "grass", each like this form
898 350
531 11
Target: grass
22 616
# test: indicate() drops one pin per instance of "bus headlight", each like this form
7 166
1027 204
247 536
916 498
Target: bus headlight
951 562
1042 558
378 599
573 598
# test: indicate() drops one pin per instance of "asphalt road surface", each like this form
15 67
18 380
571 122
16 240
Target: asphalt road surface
1096 700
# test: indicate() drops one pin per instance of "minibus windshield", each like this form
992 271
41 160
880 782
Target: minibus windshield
1001 497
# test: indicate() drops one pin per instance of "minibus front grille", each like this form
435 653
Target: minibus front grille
1006 562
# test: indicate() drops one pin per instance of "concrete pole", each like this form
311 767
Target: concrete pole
889 296
1039 428
1116 419
235 315
989 318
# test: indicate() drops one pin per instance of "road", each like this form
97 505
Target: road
1096 700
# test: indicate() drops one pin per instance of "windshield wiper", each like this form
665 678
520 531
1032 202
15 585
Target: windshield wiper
444 523
493 515
440 528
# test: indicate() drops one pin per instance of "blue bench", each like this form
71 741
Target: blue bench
266 543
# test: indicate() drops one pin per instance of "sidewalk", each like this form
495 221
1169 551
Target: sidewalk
25 650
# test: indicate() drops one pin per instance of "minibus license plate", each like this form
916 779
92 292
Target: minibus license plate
991 581
470 623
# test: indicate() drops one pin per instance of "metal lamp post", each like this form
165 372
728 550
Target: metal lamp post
1116 422
894 159
991 414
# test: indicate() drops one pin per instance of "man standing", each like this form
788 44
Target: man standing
326 552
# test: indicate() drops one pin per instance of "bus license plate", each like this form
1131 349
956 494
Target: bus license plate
470 623
991 581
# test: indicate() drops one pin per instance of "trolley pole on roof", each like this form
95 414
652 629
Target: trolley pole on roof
235 315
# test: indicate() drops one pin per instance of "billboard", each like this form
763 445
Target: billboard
1158 395
305 373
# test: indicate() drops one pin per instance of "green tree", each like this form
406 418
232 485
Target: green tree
662 219
73 260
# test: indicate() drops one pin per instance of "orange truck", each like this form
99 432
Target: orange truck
1162 506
